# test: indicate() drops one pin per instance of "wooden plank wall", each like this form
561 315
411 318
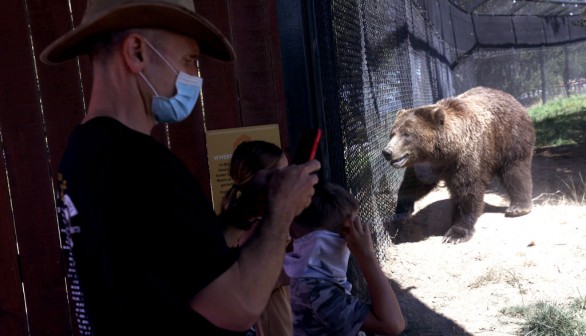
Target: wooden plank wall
40 105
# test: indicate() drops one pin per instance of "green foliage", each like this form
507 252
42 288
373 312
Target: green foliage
579 304
550 318
560 122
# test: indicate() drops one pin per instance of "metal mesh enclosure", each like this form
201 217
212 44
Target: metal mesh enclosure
365 80
376 57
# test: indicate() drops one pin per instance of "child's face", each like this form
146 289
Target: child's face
347 221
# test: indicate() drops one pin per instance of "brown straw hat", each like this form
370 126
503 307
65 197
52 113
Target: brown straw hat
112 15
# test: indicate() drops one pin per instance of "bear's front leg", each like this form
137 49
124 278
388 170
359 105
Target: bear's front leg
411 190
467 209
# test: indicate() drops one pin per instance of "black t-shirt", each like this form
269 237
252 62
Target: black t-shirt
145 238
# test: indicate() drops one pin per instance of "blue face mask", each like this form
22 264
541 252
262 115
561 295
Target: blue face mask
178 107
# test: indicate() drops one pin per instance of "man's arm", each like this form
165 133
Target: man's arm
235 300
385 317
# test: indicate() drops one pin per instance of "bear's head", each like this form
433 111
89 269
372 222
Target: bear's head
413 135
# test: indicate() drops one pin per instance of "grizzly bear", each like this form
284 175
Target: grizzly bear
464 141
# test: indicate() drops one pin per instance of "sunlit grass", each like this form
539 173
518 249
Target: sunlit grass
560 121
550 318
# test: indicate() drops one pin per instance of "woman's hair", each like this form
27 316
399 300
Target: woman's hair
330 206
249 158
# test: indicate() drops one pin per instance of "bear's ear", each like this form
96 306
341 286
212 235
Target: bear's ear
438 115
401 111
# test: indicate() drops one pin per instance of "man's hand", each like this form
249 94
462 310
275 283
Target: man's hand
290 190
285 191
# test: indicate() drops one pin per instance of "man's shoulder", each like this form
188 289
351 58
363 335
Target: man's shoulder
108 138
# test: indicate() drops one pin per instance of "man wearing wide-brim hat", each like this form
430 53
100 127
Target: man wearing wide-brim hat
147 251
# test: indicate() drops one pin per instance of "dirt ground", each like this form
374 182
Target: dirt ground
460 289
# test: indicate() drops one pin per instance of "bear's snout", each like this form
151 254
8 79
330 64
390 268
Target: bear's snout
387 154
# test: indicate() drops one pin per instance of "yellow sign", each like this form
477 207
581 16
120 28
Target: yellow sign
221 145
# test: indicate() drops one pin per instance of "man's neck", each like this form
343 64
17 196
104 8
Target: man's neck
116 94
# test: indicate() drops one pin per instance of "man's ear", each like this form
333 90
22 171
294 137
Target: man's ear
133 52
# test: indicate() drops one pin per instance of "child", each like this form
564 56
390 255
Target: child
249 158
324 235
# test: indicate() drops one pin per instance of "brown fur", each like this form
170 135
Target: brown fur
465 141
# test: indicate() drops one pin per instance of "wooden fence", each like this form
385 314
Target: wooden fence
40 105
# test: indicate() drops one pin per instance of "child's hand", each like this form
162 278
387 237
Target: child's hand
358 238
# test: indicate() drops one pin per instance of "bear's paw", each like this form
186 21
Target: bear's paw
516 211
457 234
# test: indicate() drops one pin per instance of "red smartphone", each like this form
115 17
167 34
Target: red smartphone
307 145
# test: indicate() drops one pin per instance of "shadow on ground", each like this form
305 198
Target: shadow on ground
433 220
421 319
559 173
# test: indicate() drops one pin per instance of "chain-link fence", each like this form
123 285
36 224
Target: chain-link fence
377 57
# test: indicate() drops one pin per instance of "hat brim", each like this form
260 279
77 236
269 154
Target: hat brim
211 41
